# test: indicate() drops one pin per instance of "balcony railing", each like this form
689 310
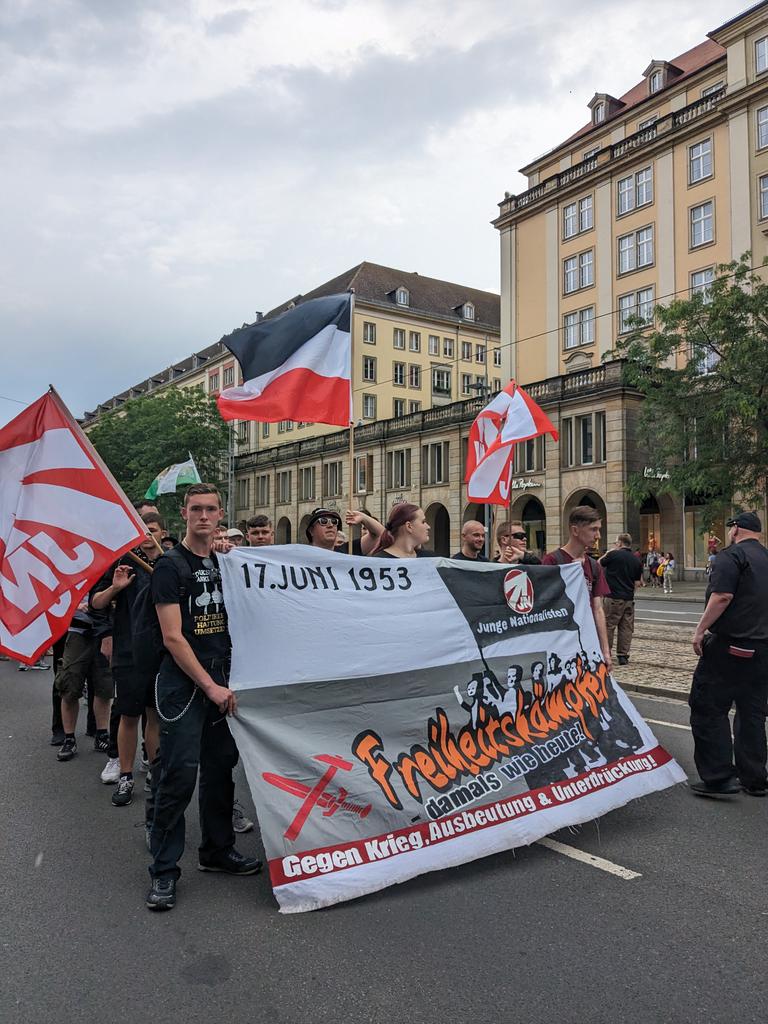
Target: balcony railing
547 393
646 136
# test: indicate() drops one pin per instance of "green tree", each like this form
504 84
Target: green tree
145 435
703 370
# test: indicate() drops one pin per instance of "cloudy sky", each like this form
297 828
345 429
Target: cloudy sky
172 166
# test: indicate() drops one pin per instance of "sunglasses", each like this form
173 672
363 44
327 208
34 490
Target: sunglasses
329 520
519 536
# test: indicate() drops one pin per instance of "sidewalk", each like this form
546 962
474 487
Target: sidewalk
683 591
661 663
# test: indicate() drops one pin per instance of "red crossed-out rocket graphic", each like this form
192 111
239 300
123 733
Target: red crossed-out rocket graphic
318 795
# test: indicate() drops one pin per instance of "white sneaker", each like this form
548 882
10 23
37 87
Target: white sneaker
111 772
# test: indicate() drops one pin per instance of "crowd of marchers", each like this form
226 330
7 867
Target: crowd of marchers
151 648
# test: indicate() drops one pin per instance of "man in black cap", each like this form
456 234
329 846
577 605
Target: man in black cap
731 640
323 527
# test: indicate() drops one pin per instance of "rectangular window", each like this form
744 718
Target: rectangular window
586 269
434 463
625 190
585 213
579 328
398 408
497 383
645 247
763 190
284 487
363 474
433 345
479 353
369 407
702 220
281 426
398 338
762 128
626 310
700 161
466 383
398 374
228 376
243 493
441 382
414 406
626 253
648 123
466 350
570 220
635 304
497 357
566 442
414 376
644 186
448 348
399 468
645 303
600 455
265 430
332 479
242 432
635 250
585 440
701 281
369 333
570 274
369 368
711 88
634 190
213 383
262 490
761 54
307 484
414 341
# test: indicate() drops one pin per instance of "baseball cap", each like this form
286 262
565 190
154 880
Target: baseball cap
746 521
318 513
234 532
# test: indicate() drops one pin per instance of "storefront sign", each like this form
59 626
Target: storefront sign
655 474
523 484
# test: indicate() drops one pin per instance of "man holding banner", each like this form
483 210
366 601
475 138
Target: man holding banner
193 702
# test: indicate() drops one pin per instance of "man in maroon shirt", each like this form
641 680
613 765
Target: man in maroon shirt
584 525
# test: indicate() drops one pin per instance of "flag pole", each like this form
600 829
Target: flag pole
351 410
88 445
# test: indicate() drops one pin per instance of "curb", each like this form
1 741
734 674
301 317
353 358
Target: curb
654 691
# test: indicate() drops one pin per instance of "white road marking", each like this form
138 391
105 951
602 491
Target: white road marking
589 858
672 725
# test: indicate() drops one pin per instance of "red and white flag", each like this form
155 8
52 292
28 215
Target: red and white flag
63 521
512 416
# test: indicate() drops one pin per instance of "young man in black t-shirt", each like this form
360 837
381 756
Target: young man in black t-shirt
193 701
623 573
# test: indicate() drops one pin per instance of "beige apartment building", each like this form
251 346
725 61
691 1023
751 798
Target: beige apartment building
639 205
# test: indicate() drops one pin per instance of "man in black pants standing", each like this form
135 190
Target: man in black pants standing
193 701
731 640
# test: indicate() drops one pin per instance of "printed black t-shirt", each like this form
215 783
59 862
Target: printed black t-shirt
461 557
203 615
742 570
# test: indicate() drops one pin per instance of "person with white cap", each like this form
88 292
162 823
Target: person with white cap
731 640
235 537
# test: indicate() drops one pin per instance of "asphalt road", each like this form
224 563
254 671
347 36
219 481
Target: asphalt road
668 610
518 937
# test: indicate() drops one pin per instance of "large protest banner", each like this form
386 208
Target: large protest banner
400 716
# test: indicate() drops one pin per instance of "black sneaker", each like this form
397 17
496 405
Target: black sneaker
232 862
716 790
101 741
68 749
623 659
57 738
123 795
162 895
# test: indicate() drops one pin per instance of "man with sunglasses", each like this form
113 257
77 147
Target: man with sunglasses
193 701
731 641
512 541
323 528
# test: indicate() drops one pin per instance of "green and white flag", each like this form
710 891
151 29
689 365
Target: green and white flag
169 479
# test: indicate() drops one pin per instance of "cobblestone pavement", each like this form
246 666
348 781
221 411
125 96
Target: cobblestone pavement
661 661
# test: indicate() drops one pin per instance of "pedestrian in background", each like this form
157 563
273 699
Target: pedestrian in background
623 572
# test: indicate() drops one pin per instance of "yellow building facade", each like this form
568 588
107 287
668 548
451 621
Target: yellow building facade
639 206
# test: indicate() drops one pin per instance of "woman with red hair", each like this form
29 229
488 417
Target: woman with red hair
404 534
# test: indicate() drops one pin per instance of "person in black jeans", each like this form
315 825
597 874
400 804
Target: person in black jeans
731 640
193 701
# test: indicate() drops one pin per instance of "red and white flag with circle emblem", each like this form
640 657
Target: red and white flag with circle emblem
63 520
